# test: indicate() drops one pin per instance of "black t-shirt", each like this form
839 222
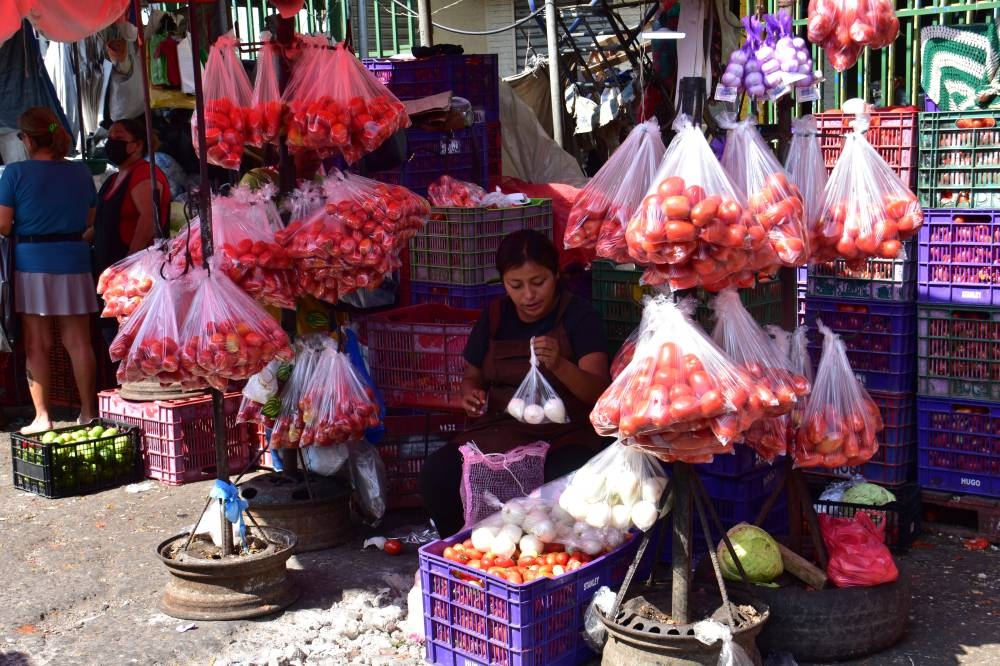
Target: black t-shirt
582 322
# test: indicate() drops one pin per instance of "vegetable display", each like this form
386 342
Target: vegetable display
843 28
123 285
453 193
757 552
230 121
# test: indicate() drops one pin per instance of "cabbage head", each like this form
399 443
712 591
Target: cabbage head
868 494
757 551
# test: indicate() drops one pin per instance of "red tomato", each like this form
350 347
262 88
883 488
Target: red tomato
393 547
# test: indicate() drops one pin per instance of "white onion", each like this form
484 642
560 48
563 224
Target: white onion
569 497
579 510
612 538
598 515
513 513
644 515
591 546
652 489
534 414
545 530
513 532
738 57
530 546
555 410
626 485
621 516
516 408
503 545
482 538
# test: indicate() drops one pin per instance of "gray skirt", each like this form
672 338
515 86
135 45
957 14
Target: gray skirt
50 294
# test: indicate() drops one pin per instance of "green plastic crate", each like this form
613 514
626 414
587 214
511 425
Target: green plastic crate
879 280
459 245
957 352
959 167
617 295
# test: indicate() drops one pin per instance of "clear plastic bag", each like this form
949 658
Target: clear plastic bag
370 481
840 422
450 192
149 343
692 225
502 476
806 168
774 202
123 285
603 208
337 406
742 339
535 401
680 396
867 210
843 28
288 425
226 334
268 108
858 554
300 93
325 460
620 487
227 92
261 402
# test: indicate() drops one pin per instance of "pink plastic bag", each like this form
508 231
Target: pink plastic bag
228 116
503 476
266 100
858 554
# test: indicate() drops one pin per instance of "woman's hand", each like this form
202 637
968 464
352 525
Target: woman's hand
474 401
547 351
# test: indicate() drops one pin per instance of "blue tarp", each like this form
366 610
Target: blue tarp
23 80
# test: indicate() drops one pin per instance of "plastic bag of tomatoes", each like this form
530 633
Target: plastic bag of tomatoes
775 203
226 334
148 344
266 98
603 208
742 339
680 397
123 285
843 28
451 192
867 211
337 406
840 421
289 422
229 118
300 94
692 228
806 167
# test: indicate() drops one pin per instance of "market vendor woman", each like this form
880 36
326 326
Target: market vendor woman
571 348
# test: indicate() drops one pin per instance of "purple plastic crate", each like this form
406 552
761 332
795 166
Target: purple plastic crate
880 338
456 296
413 79
743 460
477 79
958 446
959 257
472 618
462 154
741 489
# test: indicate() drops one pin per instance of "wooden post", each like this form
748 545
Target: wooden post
681 554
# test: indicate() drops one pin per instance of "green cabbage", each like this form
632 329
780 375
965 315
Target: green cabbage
868 494
757 552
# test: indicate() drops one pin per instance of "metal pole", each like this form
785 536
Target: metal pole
681 554
79 98
555 86
205 219
424 22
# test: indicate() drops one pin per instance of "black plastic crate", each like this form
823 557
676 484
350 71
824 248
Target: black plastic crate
901 518
77 467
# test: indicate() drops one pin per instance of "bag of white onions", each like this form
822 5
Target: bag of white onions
535 401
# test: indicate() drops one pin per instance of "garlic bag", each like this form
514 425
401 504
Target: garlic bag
535 401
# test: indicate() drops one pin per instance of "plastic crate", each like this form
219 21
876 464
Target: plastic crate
178 440
891 133
413 79
959 257
456 296
477 79
901 518
459 245
959 168
63 470
743 460
461 154
895 460
409 439
62 381
494 152
416 355
958 446
762 301
958 355
471 618
880 338
880 279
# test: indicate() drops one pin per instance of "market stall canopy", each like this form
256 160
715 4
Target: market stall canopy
60 20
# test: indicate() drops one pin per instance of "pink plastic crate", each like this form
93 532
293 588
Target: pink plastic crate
178 442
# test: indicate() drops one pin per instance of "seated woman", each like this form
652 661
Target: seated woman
572 351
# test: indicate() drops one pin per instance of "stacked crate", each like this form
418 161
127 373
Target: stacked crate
958 292
470 154
873 307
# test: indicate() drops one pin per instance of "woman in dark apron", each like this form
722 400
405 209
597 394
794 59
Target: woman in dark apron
571 348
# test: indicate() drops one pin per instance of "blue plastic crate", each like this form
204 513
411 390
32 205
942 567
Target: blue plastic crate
413 79
473 618
461 154
958 446
456 296
880 338
743 459
741 489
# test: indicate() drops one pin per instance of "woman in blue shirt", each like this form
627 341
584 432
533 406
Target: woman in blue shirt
48 202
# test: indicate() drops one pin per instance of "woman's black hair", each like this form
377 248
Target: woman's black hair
518 248
137 130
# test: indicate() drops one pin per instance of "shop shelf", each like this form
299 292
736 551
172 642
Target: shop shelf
959 257
958 446
959 167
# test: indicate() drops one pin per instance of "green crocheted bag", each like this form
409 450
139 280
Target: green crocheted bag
960 66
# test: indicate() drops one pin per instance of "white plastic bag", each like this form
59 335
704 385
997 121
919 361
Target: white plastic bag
369 478
325 460
731 654
535 401
594 632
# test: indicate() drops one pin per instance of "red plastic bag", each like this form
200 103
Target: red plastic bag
124 285
806 168
842 28
266 99
229 119
226 334
774 202
603 208
341 105
840 421
337 406
858 554
742 339
680 394
867 211
692 225
450 192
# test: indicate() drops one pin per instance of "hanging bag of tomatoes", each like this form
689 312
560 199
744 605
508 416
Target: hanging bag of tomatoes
229 119
337 406
806 168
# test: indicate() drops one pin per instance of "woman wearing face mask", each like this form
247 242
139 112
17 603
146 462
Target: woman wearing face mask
572 351
47 202
124 222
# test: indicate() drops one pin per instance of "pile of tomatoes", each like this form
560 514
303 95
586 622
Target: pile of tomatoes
517 569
